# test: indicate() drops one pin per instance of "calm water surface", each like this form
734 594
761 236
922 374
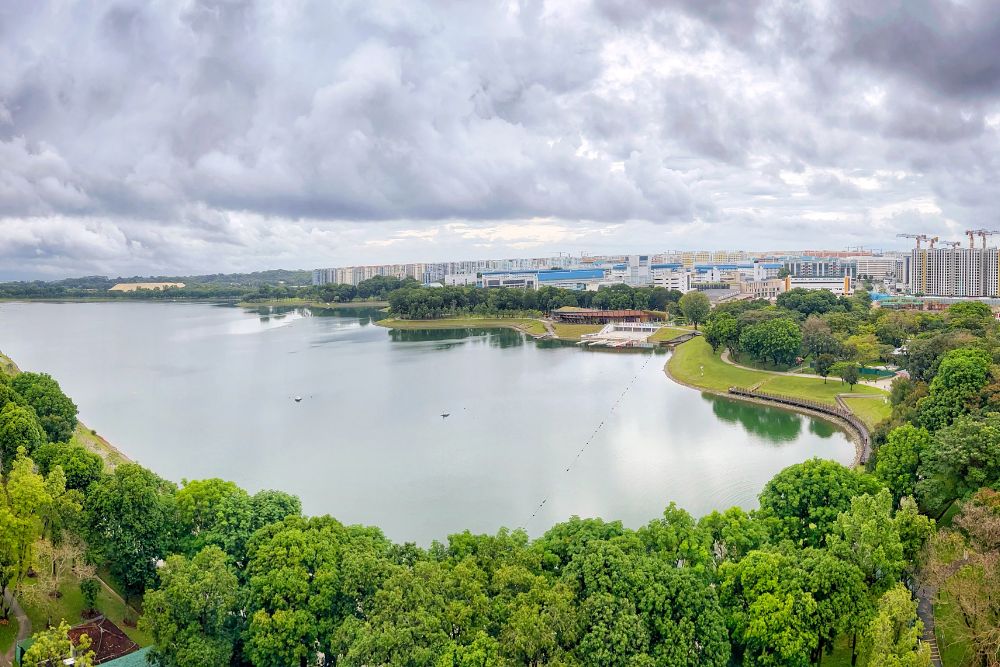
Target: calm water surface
195 390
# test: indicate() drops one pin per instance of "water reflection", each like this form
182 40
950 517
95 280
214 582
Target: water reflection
771 424
446 338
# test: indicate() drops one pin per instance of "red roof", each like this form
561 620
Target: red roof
107 640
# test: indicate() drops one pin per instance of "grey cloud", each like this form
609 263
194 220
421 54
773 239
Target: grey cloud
242 132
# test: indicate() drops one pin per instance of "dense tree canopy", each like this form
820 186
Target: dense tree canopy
56 412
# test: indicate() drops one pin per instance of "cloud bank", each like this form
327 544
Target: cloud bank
160 136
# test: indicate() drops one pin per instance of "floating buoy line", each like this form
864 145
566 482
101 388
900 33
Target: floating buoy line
617 402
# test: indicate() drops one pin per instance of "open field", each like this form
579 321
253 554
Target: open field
668 333
574 331
525 324
870 410
695 364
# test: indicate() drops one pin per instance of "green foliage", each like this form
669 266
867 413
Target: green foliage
53 645
777 340
867 536
130 521
89 589
897 461
972 315
81 466
722 331
955 388
808 302
824 364
850 374
192 615
24 501
892 639
695 306
801 503
56 412
960 459
19 428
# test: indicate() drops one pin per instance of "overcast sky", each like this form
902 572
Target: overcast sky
159 136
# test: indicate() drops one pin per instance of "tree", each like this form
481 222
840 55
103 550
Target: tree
850 375
955 388
867 536
89 590
19 427
777 340
56 412
192 615
960 459
81 466
305 578
721 331
892 639
897 461
823 364
22 503
972 315
52 646
818 338
802 501
129 516
695 306
213 512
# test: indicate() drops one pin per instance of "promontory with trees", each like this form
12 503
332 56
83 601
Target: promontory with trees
821 573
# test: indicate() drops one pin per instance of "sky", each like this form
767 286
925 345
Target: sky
192 136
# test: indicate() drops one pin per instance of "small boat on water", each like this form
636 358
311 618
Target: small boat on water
444 414
298 399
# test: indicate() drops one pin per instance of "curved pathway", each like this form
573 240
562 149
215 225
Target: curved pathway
23 630
884 383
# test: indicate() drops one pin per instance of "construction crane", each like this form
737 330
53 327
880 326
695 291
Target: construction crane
953 244
931 241
982 233
917 237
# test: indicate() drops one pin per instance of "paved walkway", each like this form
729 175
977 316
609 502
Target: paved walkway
23 631
884 383
925 609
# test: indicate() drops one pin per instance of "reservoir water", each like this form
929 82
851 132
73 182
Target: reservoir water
197 390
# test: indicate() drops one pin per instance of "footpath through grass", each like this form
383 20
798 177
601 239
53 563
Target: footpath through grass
695 364
525 324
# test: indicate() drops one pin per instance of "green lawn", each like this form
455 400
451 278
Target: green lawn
526 324
70 608
574 331
871 410
691 358
8 633
694 363
668 333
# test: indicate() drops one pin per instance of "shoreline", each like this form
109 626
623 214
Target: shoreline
83 435
844 426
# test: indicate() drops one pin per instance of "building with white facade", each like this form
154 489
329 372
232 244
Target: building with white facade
672 276
840 285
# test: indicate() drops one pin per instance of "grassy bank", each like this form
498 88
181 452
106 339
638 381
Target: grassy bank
83 435
668 333
525 324
870 410
346 305
574 331
8 633
695 364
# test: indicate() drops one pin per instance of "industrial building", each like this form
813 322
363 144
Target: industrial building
839 285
